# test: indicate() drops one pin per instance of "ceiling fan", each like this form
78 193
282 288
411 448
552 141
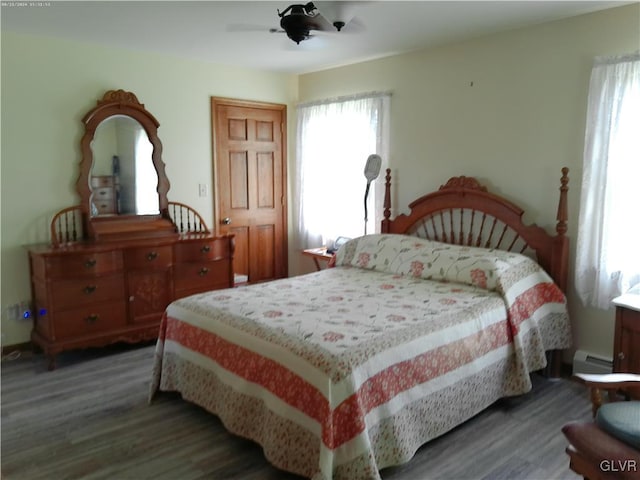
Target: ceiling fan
299 20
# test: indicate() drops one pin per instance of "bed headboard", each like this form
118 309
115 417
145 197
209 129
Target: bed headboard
463 212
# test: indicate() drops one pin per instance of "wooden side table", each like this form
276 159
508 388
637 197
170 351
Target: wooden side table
318 255
626 344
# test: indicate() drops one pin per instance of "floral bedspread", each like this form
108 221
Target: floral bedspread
342 372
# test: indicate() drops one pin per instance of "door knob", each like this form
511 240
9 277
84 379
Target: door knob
226 221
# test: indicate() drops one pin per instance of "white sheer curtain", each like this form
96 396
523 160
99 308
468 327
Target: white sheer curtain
146 179
608 250
334 139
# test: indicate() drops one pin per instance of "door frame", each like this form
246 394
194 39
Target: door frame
234 102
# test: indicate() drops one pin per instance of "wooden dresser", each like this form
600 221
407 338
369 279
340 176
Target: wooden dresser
110 272
92 294
626 343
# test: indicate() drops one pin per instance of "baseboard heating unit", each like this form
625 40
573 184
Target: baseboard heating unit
585 362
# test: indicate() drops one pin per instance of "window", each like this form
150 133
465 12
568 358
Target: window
608 250
334 140
146 179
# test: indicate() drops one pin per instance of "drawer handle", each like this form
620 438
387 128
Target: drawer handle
621 356
152 256
90 263
102 193
89 289
205 249
203 271
91 319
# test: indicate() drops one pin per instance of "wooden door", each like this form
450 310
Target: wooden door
250 172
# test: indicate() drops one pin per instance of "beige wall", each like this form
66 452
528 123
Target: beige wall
507 108
47 87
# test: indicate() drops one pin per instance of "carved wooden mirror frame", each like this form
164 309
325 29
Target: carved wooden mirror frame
120 102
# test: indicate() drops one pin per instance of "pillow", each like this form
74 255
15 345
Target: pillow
422 258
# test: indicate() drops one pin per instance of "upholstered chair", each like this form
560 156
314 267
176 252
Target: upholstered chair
608 447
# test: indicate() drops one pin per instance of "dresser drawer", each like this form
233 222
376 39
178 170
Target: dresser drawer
630 319
98 181
90 319
105 206
104 200
203 250
103 193
202 276
148 257
74 293
86 264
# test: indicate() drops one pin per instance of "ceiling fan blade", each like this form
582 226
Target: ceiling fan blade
246 27
341 14
355 25
320 23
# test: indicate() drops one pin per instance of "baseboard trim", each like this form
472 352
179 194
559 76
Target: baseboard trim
17 347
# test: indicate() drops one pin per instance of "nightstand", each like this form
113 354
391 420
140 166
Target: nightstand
626 344
318 255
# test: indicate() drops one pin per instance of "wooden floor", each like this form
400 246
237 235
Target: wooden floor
90 419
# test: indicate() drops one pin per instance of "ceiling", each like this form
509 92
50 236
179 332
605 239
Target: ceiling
237 33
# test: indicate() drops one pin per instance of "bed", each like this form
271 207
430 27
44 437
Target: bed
340 373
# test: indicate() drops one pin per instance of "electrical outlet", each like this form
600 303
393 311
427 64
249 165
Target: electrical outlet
13 312
26 310
203 189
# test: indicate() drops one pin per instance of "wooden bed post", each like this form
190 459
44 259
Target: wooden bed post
562 216
559 263
387 202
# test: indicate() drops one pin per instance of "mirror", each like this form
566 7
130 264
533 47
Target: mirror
123 177
122 182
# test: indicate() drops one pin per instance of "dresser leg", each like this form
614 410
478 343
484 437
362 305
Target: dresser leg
52 362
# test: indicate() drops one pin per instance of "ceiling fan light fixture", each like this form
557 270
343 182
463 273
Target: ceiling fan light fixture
298 22
297 34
